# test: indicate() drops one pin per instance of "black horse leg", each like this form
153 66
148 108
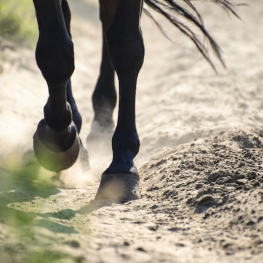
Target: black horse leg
56 142
75 113
120 181
104 95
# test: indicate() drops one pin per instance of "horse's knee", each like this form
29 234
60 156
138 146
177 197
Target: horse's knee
55 58
124 37
126 50
54 51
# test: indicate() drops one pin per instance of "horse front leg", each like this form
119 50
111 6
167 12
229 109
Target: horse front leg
120 182
104 95
75 113
56 142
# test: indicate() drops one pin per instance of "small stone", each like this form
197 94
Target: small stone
252 175
72 243
250 223
180 244
141 249
199 186
247 187
241 181
152 227
224 180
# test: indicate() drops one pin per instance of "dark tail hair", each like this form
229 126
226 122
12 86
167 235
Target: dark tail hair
172 11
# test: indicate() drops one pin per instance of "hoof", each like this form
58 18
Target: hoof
119 187
51 156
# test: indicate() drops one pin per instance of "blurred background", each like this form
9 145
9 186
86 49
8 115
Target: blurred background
17 21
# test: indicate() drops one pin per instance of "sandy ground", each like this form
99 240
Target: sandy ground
200 160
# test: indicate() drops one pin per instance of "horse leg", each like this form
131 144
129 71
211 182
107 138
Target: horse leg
75 113
104 95
56 142
120 181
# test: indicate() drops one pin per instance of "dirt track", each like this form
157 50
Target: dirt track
200 160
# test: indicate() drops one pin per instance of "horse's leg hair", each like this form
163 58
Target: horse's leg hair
56 142
121 180
104 95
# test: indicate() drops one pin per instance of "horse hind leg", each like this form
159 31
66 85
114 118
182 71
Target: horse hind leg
120 182
104 95
56 142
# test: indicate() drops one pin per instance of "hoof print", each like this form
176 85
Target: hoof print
204 203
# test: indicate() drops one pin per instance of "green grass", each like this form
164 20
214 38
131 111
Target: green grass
21 183
17 20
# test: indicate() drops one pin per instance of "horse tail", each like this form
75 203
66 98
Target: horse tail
174 13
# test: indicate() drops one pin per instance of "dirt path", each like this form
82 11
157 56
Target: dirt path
200 159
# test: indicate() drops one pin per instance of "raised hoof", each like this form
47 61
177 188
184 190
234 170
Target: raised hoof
119 187
52 157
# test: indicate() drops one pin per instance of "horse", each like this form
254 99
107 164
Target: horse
56 141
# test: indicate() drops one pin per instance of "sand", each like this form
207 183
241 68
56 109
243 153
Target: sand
200 159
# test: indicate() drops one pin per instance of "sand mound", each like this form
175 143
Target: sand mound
212 188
